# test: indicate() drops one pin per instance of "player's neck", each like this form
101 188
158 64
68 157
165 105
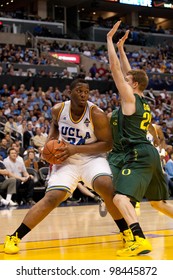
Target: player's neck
76 113
141 94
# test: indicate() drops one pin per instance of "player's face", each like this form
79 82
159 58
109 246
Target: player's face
129 80
80 94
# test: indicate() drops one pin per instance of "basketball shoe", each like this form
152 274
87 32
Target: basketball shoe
102 209
139 246
127 238
11 244
137 205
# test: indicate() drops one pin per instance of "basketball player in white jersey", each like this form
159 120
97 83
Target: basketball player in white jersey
86 132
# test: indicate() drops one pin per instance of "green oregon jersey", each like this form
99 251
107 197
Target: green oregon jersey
115 132
116 156
133 128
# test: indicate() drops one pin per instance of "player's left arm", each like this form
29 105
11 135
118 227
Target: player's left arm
161 137
102 130
152 131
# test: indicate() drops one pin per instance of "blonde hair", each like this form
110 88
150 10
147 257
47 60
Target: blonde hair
140 77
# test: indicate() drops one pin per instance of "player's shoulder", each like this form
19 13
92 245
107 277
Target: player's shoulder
157 126
94 108
98 116
110 115
58 107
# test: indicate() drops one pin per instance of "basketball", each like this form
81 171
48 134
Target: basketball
49 151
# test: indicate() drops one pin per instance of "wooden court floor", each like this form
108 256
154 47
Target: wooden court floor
79 233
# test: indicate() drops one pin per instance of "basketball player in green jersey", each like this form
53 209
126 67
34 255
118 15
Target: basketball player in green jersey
116 159
141 174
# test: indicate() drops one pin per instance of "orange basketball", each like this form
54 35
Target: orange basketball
49 151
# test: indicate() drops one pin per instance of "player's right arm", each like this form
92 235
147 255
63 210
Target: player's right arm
54 128
125 65
125 90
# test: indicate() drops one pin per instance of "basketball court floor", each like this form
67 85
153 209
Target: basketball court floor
80 233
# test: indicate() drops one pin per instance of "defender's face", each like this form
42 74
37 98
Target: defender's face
80 94
129 80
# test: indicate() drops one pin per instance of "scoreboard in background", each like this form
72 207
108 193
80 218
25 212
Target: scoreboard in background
145 3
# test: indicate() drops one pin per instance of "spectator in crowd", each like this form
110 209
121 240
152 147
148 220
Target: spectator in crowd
88 77
7 184
17 146
22 128
40 122
25 182
9 139
169 149
93 70
101 70
31 160
96 77
11 126
28 134
39 139
66 74
3 118
46 111
47 125
169 172
3 148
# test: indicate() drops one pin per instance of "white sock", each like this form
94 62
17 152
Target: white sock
4 201
8 197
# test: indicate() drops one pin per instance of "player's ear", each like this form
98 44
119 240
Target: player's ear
135 84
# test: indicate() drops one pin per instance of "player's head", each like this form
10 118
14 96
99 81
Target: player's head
79 92
77 82
137 78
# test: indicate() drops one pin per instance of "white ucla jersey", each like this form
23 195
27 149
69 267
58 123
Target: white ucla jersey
79 132
151 138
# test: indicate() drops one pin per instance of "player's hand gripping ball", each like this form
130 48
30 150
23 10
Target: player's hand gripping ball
49 151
